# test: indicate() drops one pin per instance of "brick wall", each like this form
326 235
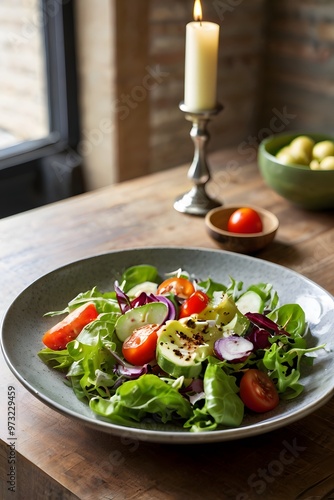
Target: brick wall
299 64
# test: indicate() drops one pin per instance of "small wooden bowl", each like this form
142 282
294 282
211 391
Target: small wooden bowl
216 224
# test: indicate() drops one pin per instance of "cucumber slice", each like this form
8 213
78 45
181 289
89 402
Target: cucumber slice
183 345
147 286
152 313
250 302
174 359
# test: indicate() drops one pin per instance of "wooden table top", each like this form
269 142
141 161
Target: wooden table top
56 457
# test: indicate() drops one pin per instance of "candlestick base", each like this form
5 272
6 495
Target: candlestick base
197 201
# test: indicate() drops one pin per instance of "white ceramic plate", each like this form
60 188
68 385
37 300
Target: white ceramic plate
24 325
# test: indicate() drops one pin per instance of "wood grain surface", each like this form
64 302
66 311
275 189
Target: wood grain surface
57 458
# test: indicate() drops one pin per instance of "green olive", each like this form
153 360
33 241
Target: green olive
314 165
285 157
301 158
283 151
301 147
327 163
323 149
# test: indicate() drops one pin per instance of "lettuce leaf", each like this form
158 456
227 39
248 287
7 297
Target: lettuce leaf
285 365
222 404
138 274
92 369
137 399
291 318
59 360
221 399
104 302
209 287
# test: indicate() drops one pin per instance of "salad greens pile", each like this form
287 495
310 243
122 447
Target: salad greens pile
204 393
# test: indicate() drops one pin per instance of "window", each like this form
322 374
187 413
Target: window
39 126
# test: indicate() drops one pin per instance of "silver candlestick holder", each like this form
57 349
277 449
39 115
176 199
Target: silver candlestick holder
197 201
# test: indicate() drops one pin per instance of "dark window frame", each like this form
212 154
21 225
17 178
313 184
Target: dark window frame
34 173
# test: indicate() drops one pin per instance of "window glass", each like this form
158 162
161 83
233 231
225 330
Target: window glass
24 114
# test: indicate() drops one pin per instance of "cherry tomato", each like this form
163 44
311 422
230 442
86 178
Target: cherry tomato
258 391
194 305
245 220
181 287
69 328
139 348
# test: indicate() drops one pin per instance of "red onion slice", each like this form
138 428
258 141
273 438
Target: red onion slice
126 370
122 299
233 348
130 372
125 304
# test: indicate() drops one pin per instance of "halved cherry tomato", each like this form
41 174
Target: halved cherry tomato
258 391
181 287
69 328
139 348
194 305
245 220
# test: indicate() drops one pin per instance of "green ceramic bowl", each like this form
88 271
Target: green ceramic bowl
310 189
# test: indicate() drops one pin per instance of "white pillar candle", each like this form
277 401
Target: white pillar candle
200 86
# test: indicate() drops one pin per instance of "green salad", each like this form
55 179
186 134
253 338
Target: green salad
175 348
